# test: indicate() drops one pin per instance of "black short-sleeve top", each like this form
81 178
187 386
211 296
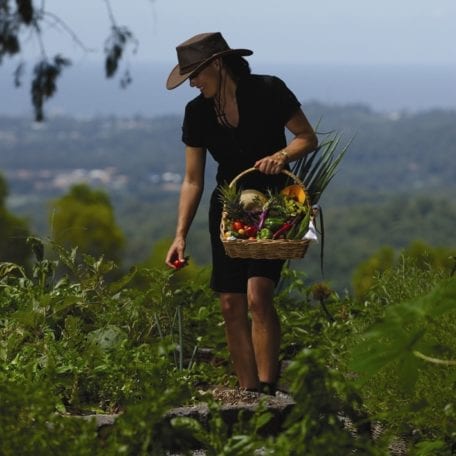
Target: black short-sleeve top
265 105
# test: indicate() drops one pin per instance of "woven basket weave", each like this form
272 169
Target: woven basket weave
267 249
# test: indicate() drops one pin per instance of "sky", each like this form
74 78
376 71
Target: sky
302 31
388 54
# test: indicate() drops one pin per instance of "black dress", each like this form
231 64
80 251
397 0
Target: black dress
265 106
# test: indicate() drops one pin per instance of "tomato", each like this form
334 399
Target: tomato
179 264
250 231
237 225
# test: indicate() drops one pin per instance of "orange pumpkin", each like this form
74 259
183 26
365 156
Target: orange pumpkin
294 191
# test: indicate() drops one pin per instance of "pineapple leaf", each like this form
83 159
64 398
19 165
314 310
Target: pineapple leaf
316 173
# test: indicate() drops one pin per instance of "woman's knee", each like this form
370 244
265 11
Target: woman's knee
260 298
233 306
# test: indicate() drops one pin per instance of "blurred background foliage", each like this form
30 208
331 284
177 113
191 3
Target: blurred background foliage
84 218
394 185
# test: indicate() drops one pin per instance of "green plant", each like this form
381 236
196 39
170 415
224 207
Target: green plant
317 423
313 316
405 362
88 336
169 300
74 340
30 426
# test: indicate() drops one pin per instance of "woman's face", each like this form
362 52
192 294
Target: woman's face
207 80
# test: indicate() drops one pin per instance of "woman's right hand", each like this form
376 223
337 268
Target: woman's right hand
272 164
175 252
190 195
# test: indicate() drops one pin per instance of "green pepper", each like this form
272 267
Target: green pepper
265 233
273 223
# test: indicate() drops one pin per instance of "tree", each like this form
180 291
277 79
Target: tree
84 218
13 232
20 16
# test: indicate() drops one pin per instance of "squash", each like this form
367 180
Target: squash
252 200
295 192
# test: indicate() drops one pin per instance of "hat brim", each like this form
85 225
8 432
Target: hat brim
175 78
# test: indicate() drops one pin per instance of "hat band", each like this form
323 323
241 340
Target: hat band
188 68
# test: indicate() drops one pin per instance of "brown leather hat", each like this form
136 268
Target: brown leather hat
196 52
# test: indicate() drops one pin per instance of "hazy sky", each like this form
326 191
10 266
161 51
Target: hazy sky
360 33
318 31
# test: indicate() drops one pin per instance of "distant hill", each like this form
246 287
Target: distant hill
396 182
389 153
398 152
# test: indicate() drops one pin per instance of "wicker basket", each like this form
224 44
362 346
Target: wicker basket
268 249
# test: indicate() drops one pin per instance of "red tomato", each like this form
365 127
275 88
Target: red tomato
178 264
237 225
250 231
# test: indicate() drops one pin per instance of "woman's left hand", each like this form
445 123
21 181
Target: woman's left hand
272 164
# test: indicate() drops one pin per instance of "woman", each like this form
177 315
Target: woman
240 119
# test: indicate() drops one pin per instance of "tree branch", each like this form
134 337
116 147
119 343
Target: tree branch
66 28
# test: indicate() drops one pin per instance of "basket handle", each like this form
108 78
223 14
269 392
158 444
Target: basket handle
284 171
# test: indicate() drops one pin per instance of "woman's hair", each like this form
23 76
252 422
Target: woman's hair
236 66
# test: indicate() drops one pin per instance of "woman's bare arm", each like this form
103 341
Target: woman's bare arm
190 196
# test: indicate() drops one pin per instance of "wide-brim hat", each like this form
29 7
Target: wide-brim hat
196 52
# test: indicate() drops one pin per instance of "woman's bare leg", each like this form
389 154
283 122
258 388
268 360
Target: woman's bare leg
265 328
239 338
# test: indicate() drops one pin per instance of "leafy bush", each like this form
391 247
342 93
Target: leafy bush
74 341
29 425
323 399
96 342
405 352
